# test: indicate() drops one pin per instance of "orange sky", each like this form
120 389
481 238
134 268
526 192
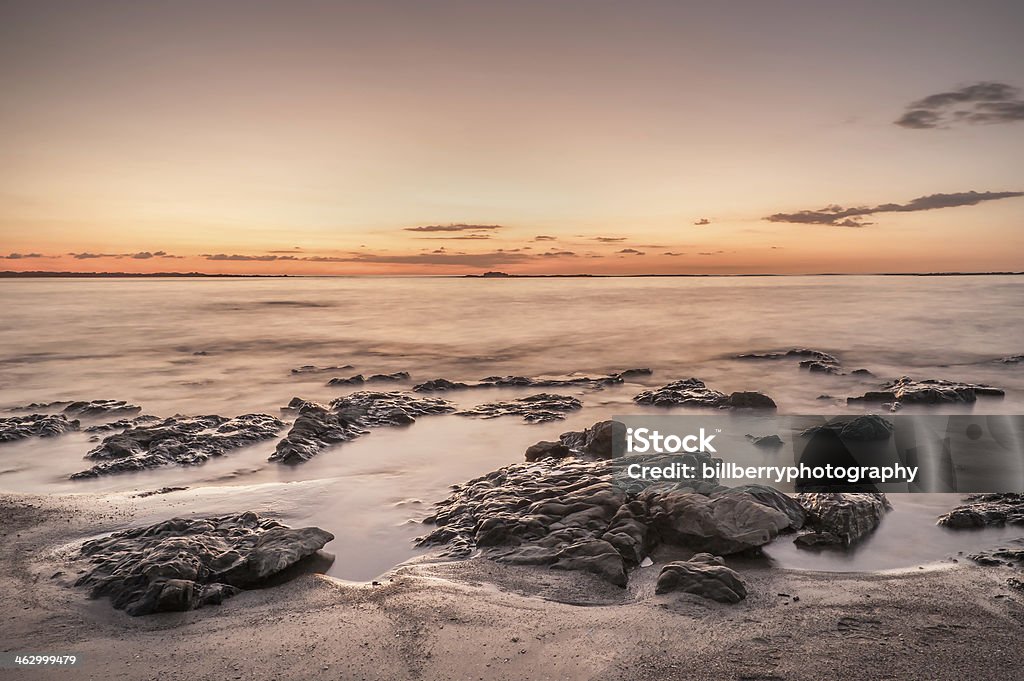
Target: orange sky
321 137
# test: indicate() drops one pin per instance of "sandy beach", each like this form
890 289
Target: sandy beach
477 619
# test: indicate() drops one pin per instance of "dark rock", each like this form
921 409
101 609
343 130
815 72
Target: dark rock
766 441
389 378
593 555
183 564
593 382
439 385
100 408
819 367
905 390
311 369
317 426
772 498
1012 359
818 539
539 408
358 379
596 442
847 516
692 392
179 440
985 510
721 524
704 575
546 449
35 425
806 353
1011 555
867 428
861 372
121 424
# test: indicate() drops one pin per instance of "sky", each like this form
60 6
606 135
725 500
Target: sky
313 137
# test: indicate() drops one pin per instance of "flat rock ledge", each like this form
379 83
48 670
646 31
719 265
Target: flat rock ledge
593 382
692 392
840 519
539 408
184 564
90 409
576 514
986 510
317 426
14 428
905 390
178 440
704 575
1010 554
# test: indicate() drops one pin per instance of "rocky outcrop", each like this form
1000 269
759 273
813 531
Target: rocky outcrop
840 519
795 353
317 427
539 408
867 428
312 369
120 424
692 392
986 510
593 382
905 390
772 498
35 425
1011 359
101 409
546 449
178 440
766 441
183 564
1010 554
596 442
359 379
703 575
720 524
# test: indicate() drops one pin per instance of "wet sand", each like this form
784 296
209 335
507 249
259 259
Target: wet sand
476 619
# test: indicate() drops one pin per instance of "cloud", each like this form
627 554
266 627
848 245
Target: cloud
142 255
544 237
672 254
837 216
702 222
631 251
711 253
460 227
90 256
980 103
250 258
608 239
19 256
460 236
558 254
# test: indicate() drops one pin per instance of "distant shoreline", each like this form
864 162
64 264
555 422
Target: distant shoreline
489 275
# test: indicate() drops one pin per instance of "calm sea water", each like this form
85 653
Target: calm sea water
136 340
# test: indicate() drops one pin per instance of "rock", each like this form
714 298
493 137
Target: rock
848 517
593 555
35 425
766 441
539 408
692 392
179 440
311 369
121 424
1011 359
596 441
861 372
905 390
100 408
867 428
704 575
358 379
389 378
816 355
546 449
183 564
723 524
593 382
772 498
986 510
317 426
818 367
1011 555
439 385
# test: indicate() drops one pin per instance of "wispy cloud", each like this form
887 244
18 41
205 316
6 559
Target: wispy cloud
544 237
672 254
702 222
459 227
19 256
630 251
249 258
837 216
980 103
458 237
608 239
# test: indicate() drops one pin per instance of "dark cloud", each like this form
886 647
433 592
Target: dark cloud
460 236
608 239
702 222
711 253
90 256
672 254
980 103
838 216
544 237
19 256
631 251
250 258
558 254
453 228
142 255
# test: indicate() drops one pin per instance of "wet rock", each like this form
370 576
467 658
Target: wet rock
35 425
389 378
596 441
100 408
1011 555
317 426
806 353
841 518
358 379
547 450
593 555
867 428
692 392
721 524
766 441
819 367
986 510
1012 359
861 372
905 390
183 564
121 424
772 498
704 575
439 385
312 369
593 382
179 440
539 408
